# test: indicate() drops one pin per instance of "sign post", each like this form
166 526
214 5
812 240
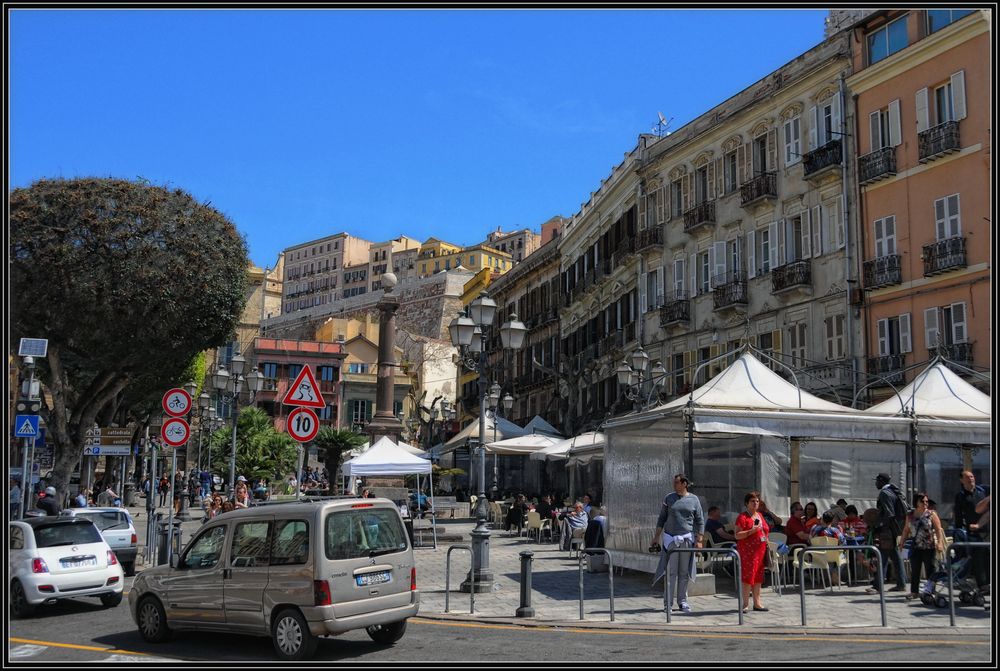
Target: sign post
302 423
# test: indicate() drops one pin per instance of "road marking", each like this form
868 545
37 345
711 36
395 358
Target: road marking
755 635
26 651
74 646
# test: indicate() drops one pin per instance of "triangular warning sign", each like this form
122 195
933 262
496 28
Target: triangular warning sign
27 429
304 391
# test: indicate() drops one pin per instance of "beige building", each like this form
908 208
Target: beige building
314 270
384 257
519 244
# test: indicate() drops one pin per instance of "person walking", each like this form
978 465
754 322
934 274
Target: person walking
681 524
751 532
15 499
887 529
924 527
968 520
164 488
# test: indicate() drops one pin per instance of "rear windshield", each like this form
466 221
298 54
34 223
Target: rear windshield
76 533
105 521
364 532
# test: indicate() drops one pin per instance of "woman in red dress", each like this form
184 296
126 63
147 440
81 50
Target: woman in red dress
751 543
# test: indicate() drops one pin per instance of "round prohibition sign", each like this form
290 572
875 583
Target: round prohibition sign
175 432
176 402
302 424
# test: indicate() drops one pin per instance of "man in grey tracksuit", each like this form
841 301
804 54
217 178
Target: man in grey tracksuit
681 524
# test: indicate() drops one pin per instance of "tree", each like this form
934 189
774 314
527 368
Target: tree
261 452
333 444
128 282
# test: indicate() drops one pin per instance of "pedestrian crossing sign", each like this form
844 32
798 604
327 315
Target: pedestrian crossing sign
26 426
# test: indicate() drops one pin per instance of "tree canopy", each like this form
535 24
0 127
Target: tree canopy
261 451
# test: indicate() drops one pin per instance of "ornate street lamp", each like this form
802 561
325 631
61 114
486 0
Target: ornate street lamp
229 385
639 386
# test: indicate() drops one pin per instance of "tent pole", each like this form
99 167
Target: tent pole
794 445
690 452
434 529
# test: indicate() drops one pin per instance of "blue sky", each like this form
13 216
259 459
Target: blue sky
299 124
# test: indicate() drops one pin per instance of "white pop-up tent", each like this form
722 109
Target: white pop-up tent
387 458
521 445
539 425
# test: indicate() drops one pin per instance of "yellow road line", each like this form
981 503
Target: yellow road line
74 646
755 635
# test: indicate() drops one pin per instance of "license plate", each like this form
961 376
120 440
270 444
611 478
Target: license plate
373 578
79 564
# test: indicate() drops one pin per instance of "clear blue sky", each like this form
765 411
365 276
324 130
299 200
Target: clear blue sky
299 124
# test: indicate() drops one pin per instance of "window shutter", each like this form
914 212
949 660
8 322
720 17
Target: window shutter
643 205
958 94
875 124
958 330
835 119
776 343
772 150
839 223
711 266
895 134
710 187
806 235
789 230
787 130
694 275
883 337
720 263
686 194
772 235
747 161
817 230
678 278
687 367
659 287
751 254
879 238
642 292
813 127
940 219
954 226
923 122
905 341
720 170
931 328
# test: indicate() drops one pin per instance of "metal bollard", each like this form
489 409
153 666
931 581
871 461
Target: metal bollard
525 609
472 577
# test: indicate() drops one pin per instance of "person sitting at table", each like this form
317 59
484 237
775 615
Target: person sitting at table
715 526
827 528
853 525
516 514
811 515
574 525
795 527
544 508
588 505
773 521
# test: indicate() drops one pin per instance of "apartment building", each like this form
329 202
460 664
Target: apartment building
383 259
922 81
314 270
754 207
518 244
437 256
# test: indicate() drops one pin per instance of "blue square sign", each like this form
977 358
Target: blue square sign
26 426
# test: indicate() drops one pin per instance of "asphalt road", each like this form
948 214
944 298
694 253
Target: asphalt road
82 630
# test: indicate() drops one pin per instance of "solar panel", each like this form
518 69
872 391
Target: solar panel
33 347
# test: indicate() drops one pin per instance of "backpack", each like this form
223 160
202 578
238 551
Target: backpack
900 508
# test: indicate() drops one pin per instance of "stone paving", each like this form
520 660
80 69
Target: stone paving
556 595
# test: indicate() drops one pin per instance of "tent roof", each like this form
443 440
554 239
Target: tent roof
521 445
504 429
539 425
413 450
561 449
386 458
938 393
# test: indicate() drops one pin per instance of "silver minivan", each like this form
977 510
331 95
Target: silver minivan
292 571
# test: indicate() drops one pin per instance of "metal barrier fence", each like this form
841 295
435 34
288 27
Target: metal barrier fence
472 577
611 576
850 548
668 597
951 570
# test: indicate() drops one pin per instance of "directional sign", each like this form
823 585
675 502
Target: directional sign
107 450
302 424
175 432
26 426
304 392
176 402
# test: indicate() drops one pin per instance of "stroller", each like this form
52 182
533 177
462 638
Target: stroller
935 591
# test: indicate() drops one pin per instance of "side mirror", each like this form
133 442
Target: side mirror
175 561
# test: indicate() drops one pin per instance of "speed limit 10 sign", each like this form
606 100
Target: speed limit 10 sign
302 424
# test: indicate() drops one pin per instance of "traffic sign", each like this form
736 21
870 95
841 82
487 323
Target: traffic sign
26 426
302 424
176 402
175 432
304 392
107 450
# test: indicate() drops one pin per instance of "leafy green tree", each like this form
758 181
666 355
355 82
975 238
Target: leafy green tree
333 444
261 451
128 282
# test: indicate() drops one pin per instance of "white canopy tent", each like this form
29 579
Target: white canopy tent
499 427
560 450
387 458
521 445
539 425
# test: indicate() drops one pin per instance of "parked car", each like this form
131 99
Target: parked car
54 558
292 571
117 528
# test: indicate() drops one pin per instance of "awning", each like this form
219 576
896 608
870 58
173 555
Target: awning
560 450
496 429
521 445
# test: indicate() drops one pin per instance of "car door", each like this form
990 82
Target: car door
247 572
194 591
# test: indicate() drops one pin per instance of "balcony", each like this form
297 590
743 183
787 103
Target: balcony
730 291
759 188
610 343
676 310
889 367
822 161
877 165
938 141
883 272
651 237
796 274
944 255
960 353
702 214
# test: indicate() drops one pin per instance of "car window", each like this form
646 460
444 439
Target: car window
206 549
291 542
75 533
357 533
106 520
16 538
250 545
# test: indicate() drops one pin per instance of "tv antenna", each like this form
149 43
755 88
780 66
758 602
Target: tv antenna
660 129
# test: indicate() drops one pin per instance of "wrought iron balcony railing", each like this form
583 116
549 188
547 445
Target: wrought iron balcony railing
883 271
730 290
889 367
702 214
960 352
818 160
877 165
676 309
794 274
944 255
938 141
764 185
651 237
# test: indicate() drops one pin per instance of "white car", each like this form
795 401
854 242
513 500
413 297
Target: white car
115 525
53 558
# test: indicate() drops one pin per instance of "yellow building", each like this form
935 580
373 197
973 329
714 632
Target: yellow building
436 256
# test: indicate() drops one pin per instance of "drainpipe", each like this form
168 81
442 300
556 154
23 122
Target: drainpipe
849 319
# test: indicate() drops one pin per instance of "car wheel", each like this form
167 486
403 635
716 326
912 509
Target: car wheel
291 636
19 606
111 600
152 620
387 634
128 568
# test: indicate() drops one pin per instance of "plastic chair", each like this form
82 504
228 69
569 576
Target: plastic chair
778 562
810 563
777 538
714 558
831 558
534 524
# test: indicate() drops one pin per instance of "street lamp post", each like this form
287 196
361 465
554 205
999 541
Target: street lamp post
640 386
469 332
229 387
